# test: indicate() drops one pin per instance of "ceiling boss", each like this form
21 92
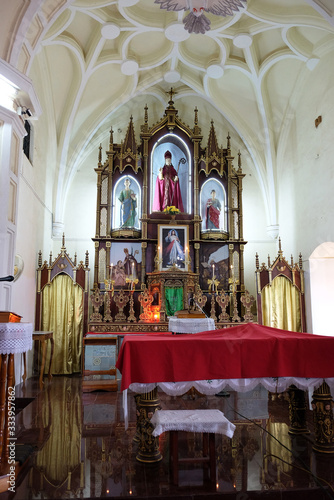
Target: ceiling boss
196 21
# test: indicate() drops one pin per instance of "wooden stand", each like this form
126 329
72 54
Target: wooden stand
208 458
43 337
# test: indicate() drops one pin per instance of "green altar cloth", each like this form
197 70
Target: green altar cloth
174 300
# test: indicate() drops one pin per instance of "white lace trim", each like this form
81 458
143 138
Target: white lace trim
15 337
211 387
184 325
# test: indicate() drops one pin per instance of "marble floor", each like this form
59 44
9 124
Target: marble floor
79 448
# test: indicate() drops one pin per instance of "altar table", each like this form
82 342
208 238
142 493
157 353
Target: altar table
237 358
207 422
244 352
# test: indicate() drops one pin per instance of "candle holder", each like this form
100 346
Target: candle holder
157 260
233 282
132 282
213 285
109 286
187 258
132 316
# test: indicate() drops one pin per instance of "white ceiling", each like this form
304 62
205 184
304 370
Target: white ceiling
94 63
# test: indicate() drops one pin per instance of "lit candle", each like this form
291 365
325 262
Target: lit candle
213 271
111 266
132 269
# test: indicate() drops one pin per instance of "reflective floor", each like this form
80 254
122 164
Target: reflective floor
80 448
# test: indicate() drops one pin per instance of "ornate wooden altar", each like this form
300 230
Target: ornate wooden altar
169 216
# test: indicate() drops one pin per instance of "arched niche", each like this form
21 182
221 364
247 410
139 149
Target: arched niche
213 199
127 203
179 150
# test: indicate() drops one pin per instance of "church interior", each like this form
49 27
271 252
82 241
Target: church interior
157 160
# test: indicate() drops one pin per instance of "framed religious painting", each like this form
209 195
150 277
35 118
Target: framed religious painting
214 262
173 247
125 263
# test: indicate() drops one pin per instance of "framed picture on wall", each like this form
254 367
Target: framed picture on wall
173 247
125 261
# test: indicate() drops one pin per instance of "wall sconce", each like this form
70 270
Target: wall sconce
22 110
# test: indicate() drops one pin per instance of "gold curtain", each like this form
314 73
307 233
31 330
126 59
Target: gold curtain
281 305
61 454
62 313
274 447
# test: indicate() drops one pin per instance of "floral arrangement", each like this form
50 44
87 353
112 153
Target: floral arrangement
171 210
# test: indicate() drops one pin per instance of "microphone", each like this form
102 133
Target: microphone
199 307
7 278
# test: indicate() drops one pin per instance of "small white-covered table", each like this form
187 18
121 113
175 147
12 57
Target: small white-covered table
191 325
208 422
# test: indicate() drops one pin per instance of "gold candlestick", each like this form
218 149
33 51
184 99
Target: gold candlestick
157 259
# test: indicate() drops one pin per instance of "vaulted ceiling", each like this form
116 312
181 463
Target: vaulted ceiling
94 63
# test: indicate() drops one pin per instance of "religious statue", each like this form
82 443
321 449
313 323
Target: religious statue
130 263
167 187
213 208
174 249
120 276
128 201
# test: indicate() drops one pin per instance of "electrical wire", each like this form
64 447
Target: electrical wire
306 469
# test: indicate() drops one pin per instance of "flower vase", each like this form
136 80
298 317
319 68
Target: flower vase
172 219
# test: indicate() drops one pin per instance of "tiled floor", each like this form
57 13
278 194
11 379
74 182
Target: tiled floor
82 450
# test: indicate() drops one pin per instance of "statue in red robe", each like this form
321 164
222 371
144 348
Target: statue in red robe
167 188
213 208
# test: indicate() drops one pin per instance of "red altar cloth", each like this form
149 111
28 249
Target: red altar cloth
245 351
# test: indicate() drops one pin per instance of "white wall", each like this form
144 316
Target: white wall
322 288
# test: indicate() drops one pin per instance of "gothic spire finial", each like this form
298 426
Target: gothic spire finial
99 163
228 141
111 139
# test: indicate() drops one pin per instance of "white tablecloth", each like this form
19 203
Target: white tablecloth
15 337
191 325
192 421
211 387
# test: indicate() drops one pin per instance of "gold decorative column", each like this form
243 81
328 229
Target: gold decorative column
297 411
148 448
322 405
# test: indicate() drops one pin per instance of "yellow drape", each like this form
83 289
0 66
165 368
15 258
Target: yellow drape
61 454
274 447
281 306
62 313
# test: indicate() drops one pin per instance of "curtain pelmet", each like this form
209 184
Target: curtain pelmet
281 305
62 313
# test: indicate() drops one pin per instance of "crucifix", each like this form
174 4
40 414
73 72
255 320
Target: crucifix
171 93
